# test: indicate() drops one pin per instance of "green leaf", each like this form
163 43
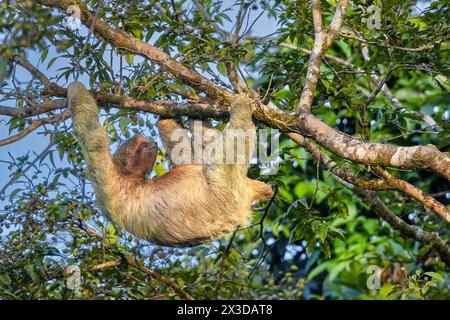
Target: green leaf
123 123
44 54
222 68
343 210
443 81
5 279
129 58
29 268
3 65
434 275
51 62
338 269
319 269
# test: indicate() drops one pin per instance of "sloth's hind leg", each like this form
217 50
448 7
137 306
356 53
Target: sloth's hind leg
238 145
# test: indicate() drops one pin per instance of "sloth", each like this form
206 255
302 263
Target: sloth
189 205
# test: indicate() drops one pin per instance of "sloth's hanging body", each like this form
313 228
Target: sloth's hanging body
187 206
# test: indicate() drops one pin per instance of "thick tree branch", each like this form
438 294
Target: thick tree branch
35 110
342 145
387 183
359 185
238 84
368 153
410 231
344 173
336 22
163 108
416 194
122 40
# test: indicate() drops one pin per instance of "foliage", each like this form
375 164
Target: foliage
316 240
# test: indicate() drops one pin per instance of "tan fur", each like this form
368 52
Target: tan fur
187 206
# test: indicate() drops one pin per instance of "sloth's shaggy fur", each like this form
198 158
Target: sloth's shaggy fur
187 206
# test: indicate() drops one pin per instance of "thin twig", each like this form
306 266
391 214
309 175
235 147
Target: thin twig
22 172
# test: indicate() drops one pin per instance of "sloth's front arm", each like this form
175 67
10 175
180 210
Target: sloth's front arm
94 143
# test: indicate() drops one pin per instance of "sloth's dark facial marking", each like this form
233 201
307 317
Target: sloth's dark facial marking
190 204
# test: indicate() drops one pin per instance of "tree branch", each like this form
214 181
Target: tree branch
32 111
105 265
348 34
410 231
160 278
122 40
135 264
375 80
344 173
322 41
36 124
417 157
416 194
395 102
48 85
348 179
388 183
345 146
369 153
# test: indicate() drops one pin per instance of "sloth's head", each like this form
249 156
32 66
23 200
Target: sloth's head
137 155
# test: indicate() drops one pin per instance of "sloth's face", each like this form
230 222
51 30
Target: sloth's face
137 155
144 156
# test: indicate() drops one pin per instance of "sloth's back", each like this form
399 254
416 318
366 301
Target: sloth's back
180 208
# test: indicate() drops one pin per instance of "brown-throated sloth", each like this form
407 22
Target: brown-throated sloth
189 205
